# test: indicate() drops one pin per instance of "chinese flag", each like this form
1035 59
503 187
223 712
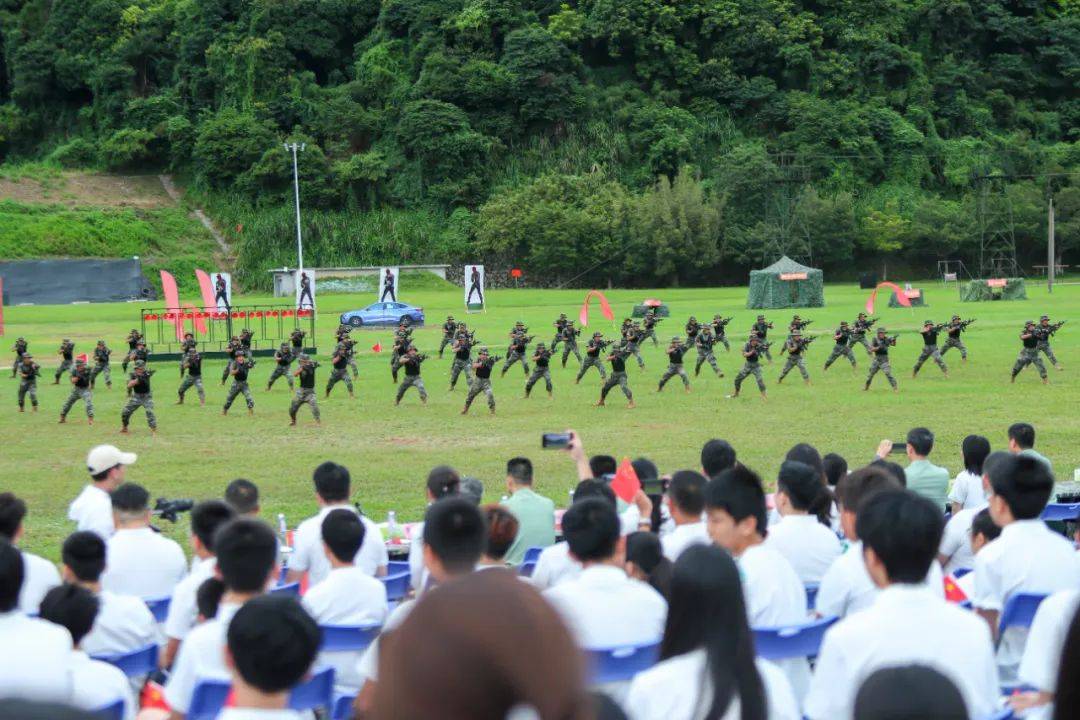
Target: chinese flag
953 593
626 483
153 696
377 347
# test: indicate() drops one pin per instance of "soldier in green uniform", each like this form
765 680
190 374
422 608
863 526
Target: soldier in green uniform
449 328
481 383
693 327
67 359
516 352
239 370
719 326
953 330
617 358
132 341
842 348
305 374
101 364
762 328
1029 353
930 333
569 338
185 346
675 351
28 372
879 349
141 397
402 343
592 356
231 349
518 329
649 326
797 323
752 352
20 348
349 343
245 341
462 357
340 372
560 325
633 343
80 390
411 364
859 330
193 366
705 343
795 347
1044 331
283 360
541 359
296 339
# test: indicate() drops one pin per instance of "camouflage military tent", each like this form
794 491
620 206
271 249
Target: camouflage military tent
980 291
786 284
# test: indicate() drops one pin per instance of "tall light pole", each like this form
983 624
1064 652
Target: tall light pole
294 147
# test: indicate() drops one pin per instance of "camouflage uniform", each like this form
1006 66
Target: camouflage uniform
340 372
411 362
20 348
761 327
101 365
67 358
232 349
705 342
449 329
633 340
560 325
462 362
192 363
141 397
186 346
618 374
540 369
752 366
842 348
795 349
952 339
569 338
675 364
649 324
239 371
28 375
481 383
80 390
592 358
880 351
1029 353
719 326
283 359
1043 333
858 333
930 349
132 340
305 394
516 353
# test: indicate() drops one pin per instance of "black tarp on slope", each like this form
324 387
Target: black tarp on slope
54 282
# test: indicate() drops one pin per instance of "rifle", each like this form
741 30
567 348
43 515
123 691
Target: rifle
1054 327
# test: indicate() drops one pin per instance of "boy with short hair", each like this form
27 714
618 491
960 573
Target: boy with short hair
40 574
141 561
685 499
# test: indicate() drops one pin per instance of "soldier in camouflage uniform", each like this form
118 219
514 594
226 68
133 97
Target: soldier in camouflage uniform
28 372
283 360
402 343
462 358
842 348
762 328
675 367
340 372
859 330
481 382
20 348
693 327
617 358
879 349
80 390
719 326
350 355
185 346
193 365
245 341
139 353
649 325
516 352
541 359
1029 353
141 397
411 363
795 346
952 337
633 343
560 325
101 364
752 352
449 329
705 342
1044 331
569 338
305 394
132 340
231 349
67 359
239 370
296 339
592 356
930 349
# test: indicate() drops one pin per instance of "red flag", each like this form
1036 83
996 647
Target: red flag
605 307
953 593
901 296
153 696
377 347
206 289
626 483
172 302
81 358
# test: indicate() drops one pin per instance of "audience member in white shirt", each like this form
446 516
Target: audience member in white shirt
33 660
685 500
836 469
123 623
716 457
1045 659
271 645
332 488
983 532
39 575
555 564
442 481
141 561
206 518
95 684
92 510
707 666
956 552
1027 557
348 595
645 561
906 625
800 537
968 490
634 515
909 691
454 540
242 496
246 562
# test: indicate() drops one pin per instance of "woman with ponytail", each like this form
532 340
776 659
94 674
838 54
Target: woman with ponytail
800 537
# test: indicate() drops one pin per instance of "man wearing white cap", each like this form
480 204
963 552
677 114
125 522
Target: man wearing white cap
92 510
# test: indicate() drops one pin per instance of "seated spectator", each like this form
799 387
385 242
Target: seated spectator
14 709
1022 442
141 562
332 490
956 551
716 457
348 595
122 622
243 497
39 575
442 481
909 691
836 468
707 666
921 475
823 506
92 509
535 513
1046 661
967 488
651 484
800 537
208 599
207 518
33 664
246 557
894 470
454 539
983 531
472 489
685 500
481 647
271 645
900 533
634 515
1027 556
502 529
645 561
555 564
94 684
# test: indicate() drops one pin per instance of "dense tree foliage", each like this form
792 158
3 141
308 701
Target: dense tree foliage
630 140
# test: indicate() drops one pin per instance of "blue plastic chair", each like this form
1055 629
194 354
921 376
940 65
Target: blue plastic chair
315 692
1058 512
343 707
207 699
1019 611
791 641
135 663
532 555
811 595
159 607
397 584
115 711
961 572
348 638
527 568
397 566
610 665
289 589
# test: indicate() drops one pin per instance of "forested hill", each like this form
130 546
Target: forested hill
670 138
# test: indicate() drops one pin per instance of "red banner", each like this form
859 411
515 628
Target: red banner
172 300
206 289
626 483
605 308
901 296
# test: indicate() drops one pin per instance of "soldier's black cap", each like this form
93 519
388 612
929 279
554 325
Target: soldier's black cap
928 322
1045 317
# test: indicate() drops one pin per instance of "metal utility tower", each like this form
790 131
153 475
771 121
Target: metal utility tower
997 236
785 232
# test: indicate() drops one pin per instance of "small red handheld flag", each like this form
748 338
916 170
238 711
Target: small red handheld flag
377 347
626 483
81 358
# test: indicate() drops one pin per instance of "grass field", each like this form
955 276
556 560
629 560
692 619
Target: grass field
389 450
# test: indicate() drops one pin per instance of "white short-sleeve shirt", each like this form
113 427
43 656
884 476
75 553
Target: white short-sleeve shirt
367 668
604 608
201 657
967 490
143 563
184 605
847 587
418 574
40 577
1042 654
804 542
34 660
123 624
308 552
554 566
96 684
906 625
92 510
234 713
956 540
682 537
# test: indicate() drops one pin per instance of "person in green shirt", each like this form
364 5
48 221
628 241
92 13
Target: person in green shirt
535 513
923 477
1022 442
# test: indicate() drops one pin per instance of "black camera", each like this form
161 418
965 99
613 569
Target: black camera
170 509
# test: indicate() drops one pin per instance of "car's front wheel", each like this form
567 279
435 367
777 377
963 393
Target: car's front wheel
356 321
